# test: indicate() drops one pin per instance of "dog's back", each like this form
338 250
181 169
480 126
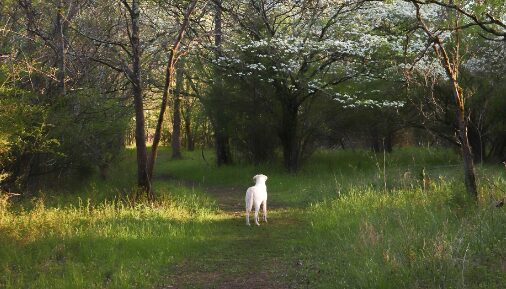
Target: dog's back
255 195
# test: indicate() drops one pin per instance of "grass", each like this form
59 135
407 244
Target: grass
349 219
406 239
110 244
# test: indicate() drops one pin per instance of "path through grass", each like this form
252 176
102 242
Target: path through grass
337 227
238 256
333 225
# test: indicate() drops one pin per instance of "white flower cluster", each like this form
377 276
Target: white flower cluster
255 66
354 102
227 61
314 85
489 58
355 36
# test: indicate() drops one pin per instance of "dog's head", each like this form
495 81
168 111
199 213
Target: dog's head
260 178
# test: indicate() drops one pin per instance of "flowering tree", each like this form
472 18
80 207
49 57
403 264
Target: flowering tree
299 53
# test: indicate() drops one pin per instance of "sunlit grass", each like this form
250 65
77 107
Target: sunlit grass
349 219
330 173
403 221
112 244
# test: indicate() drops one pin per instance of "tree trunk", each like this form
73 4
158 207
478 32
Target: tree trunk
140 142
467 156
190 141
143 180
476 142
187 114
176 120
469 174
168 81
452 69
288 136
158 131
60 45
223 154
221 137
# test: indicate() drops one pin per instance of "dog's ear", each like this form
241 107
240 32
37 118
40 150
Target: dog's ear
265 177
255 177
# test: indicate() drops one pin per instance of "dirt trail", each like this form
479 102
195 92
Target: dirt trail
229 199
239 256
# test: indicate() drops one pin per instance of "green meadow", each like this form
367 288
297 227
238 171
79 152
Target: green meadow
348 219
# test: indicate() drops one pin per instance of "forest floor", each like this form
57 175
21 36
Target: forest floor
239 256
332 226
348 219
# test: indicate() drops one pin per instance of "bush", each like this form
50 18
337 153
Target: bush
39 136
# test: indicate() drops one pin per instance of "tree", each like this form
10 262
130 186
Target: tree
134 75
117 45
54 101
222 142
174 54
451 61
176 120
292 55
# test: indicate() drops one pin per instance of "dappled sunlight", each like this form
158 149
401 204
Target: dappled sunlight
327 225
134 135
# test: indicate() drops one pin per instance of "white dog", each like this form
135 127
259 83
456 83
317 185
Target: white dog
257 195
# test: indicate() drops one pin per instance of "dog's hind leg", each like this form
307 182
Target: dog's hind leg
257 208
247 217
249 205
248 210
265 210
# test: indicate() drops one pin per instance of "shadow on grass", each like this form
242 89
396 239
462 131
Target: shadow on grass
136 249
239 256
124 252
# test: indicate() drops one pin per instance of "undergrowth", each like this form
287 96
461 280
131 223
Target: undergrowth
110 244
363 220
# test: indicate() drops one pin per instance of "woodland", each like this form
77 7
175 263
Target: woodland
130 131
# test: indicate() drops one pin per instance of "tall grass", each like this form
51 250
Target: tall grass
362 222
330 173
423 231
406 239
112 244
